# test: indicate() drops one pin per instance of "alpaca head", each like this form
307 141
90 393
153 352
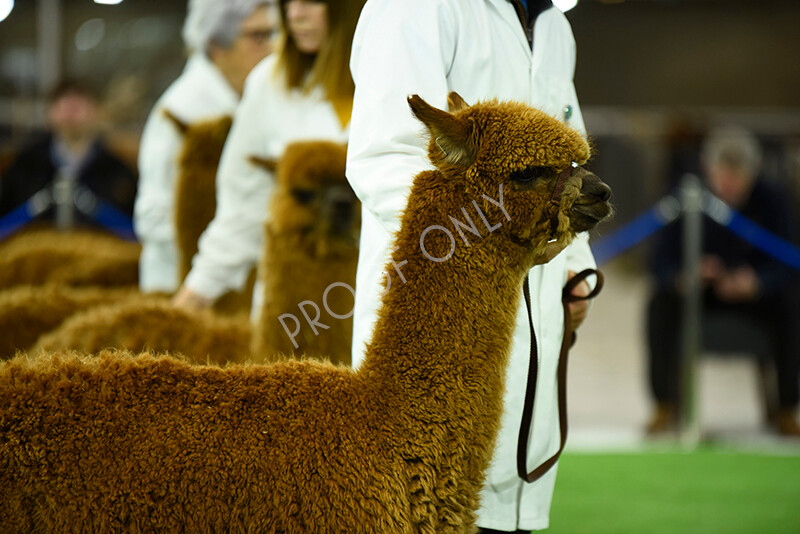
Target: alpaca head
202 142
313 201
529 157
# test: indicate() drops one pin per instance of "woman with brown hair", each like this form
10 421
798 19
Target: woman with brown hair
303 91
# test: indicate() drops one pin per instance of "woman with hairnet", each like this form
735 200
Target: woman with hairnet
304 91
225 40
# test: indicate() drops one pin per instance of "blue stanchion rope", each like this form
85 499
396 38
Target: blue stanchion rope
87 203
104 214
664 212
14 220
756 235
668 209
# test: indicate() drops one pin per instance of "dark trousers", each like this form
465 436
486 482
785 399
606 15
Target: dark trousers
780 314
490 531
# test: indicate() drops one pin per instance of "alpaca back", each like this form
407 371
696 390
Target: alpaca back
147 443
151 323
28 312
72 258
310 245
196 199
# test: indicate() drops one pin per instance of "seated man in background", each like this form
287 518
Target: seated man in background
225 40
68 157
736 276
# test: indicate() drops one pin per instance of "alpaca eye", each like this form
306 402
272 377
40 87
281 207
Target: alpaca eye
303 196
528 175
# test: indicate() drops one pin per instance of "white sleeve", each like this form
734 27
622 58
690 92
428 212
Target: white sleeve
580 257
232 242
399 48
155 197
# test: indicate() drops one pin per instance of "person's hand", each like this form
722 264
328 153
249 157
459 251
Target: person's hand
580 309
711 269
187 299
738 285
550 251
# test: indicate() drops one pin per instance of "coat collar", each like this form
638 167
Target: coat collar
202 68
512 11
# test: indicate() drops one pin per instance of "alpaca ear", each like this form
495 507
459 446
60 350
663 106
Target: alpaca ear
454 136
455 102
265 163
179 124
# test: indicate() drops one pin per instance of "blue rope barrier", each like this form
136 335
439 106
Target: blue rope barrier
756 235
104 214
668 209
14 220
664 212
86 202
114 221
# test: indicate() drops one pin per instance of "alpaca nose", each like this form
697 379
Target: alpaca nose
341 216
341 209
594 186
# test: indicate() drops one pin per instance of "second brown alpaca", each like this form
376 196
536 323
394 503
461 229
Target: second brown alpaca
399 446
310 245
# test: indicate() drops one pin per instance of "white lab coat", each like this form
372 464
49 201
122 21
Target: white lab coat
201 92
479 49
268 118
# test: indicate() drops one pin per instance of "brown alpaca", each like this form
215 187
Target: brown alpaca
27 312
310 243
400 445
152 323
30 312
73 258
301 264
196 198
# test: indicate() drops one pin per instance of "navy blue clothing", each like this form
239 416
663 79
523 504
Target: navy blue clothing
776 310
768 206
34 169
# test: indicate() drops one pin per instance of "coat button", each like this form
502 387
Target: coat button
567 112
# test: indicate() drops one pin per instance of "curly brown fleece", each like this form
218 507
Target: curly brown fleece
152 323
28 312
310 242
196 198
74 258
145 444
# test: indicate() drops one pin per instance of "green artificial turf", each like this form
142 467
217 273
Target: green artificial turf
706 492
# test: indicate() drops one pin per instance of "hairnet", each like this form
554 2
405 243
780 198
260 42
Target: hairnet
732 145
216 20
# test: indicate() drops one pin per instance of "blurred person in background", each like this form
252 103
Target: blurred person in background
302 92
71 155
225 40
737 278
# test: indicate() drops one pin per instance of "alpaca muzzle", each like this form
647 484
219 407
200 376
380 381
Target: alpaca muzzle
593 205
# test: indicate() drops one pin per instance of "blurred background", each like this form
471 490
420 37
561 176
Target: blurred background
653 77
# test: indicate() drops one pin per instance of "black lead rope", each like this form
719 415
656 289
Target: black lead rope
533 372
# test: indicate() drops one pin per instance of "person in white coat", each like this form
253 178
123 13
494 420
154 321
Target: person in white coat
302 92
482 49
225 39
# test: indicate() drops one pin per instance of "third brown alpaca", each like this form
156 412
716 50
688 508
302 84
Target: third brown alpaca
196 198
310 243
399 445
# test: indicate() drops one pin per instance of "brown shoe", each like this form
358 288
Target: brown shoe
785 423
664 419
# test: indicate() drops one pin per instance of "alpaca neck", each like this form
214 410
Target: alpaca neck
450 322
